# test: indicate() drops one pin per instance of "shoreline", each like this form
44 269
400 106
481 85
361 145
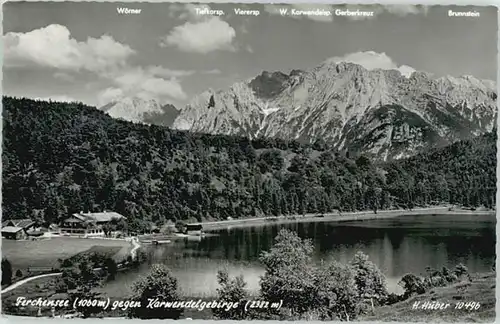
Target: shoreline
336 217
133 252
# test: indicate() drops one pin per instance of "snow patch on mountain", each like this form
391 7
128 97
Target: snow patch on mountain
267 111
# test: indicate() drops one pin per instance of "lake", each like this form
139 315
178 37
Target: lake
397 245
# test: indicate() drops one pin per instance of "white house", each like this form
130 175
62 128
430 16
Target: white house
88 224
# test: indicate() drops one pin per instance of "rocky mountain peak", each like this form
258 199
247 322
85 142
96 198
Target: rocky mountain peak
389 113
269 84
136 109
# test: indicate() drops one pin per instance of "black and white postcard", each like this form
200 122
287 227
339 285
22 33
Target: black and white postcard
228 161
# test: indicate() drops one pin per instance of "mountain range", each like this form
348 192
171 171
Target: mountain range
141 110
384 113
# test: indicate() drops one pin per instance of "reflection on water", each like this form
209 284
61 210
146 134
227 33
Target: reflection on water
397 246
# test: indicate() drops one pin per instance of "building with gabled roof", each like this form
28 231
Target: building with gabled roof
193 229
17 229
88 224
13 233
24 223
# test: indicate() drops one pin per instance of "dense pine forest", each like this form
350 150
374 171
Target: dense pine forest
60 158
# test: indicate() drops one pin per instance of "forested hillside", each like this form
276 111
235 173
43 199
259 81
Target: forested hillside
60 158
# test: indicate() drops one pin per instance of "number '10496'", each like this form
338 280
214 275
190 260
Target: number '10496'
467 305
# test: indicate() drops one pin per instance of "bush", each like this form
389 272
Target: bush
6 272
61 286
66 263
19 273
393 298
412 284
461 270
435 281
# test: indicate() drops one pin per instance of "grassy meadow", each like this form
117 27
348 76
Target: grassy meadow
46 253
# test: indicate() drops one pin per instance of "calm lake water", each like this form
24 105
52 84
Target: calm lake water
398 246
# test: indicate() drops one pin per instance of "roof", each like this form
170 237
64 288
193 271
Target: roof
11 229
105 216
98 217
73 220
7 223
23 223
80 217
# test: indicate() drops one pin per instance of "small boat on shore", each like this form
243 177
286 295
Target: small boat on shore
156 242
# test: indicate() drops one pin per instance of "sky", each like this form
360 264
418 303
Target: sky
89 52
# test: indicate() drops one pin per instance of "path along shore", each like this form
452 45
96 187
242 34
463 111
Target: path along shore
133 253
329 217
340 217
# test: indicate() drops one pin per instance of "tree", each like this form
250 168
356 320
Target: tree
374 197
289 273
159 283
231 291
363 161
61 158
370 281
79 280
319 145
337 292
6 272
107 228
69 278
180 226
412 285
121 225
271 160
111 268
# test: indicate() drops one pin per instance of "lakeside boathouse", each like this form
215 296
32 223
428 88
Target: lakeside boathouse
88 224
194 229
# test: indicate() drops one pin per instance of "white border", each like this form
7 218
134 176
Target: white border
19 319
